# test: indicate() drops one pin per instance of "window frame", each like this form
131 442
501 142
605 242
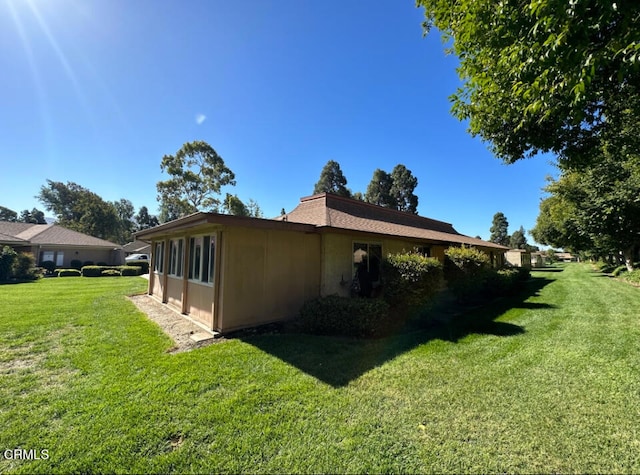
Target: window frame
158 262
202 259
176 258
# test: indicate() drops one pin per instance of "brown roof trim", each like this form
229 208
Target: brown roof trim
202 219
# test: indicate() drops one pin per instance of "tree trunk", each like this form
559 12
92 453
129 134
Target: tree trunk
628 258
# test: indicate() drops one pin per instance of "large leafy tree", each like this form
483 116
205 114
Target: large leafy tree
332 180
542 75
604 202
144 220
403 185
80 209
196 175
125 211
499 229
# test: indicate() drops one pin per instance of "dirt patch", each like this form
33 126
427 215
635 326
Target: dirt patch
177 327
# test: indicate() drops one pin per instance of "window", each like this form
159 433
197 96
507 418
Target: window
176 258
368 257
424 250
159 253
202 259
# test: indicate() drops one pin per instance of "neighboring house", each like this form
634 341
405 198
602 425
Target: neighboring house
136 247
538 259
566 257
50 242
230 272
518 257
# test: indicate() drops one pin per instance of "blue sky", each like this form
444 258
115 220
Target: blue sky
97 91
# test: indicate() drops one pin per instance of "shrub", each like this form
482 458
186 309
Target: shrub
50 266
69 273
24 267
354 317
92 271
144 266
109 272
130 270
103 264
411 279
87 263
7 257
76 264
467 271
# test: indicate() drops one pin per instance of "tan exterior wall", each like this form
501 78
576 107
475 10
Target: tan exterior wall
173 294
266 275
337 262
200 303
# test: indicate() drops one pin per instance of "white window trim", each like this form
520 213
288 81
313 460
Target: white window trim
213 237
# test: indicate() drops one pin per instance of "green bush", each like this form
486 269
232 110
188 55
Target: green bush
69 273
467 271
92 271
7 258
103 264
144 266
88 263
130 270
50 266
76 264
353 317
24 267
411 279
109 273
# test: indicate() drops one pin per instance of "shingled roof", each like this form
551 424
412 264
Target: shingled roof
48 234
333 211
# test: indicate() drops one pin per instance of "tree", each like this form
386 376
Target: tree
393 190
604 205
379 190
234 206
518 239
197 173
332 180
254 209
403 185
541 75
7 214
144 220
35 216
499 229
127 226
80 209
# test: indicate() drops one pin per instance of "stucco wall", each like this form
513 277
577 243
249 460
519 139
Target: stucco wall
337 264
266 275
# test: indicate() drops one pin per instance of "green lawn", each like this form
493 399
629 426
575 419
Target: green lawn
551 384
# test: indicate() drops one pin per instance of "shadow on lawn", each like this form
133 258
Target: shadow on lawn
337 361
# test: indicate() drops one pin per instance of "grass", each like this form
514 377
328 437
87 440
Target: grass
548 382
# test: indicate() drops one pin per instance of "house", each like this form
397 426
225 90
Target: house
230 272
136 247
518 257
566 257
50 242
538 259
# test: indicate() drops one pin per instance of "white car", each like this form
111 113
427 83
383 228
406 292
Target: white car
137 257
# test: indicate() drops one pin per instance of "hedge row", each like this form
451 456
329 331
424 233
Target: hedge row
354 317
100 271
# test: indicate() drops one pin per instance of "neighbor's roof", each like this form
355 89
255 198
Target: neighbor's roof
333 211
137 246
48 234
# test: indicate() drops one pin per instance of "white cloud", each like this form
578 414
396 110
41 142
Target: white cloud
200 118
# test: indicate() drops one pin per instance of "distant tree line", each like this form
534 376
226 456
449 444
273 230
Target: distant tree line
500 234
